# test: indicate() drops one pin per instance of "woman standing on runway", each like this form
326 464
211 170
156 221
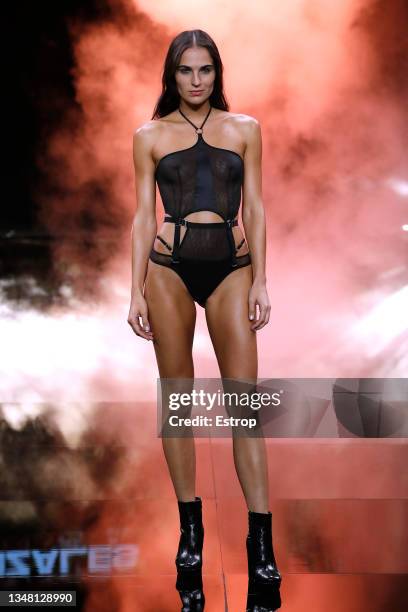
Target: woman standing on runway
202 156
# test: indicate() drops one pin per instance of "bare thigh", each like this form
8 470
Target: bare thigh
172 317
235 346
229 327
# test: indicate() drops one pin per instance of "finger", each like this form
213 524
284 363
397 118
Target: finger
145 322
144 327
262 317
266 316
258 321
134 325
256 317
251 309
137 328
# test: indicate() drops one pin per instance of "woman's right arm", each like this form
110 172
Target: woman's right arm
144 227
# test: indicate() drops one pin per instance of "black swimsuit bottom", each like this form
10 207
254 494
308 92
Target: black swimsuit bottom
201 177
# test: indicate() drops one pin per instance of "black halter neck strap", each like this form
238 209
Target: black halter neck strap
199 130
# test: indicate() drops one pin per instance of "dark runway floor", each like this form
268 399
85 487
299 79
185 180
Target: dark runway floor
339 507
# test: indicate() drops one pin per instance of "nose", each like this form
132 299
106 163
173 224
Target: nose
196 78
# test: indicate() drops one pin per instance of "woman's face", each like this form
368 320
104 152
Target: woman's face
195 73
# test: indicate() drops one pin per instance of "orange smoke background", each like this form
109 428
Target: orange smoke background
328 83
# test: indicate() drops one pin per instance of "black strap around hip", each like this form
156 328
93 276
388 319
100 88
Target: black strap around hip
230 223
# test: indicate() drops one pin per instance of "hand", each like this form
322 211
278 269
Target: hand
138 308
258 295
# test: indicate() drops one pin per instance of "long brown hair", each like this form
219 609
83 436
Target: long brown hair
169 99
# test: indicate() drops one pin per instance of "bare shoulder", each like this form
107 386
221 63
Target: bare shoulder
248 127
242 119
145 135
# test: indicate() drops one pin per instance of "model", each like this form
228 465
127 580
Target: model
202 157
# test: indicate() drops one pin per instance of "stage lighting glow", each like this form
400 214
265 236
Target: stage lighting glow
87 354
385 322
400 186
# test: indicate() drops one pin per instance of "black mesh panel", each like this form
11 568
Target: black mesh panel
201 177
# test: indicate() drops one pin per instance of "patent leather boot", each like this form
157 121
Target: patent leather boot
264 578
189 556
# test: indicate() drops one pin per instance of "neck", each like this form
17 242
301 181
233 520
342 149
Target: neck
195 111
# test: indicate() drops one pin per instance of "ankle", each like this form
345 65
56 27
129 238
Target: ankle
186 499
259 513
259 520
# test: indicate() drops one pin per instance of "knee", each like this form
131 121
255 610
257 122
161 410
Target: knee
175 397
238 397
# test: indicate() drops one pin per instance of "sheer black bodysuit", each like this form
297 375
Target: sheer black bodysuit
201 177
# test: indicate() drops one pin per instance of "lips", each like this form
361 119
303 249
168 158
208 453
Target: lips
196 92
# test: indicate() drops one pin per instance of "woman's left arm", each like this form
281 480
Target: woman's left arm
253 218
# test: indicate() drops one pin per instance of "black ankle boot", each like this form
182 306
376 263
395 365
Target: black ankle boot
264 578
189 556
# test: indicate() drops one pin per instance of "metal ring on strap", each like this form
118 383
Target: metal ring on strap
180 220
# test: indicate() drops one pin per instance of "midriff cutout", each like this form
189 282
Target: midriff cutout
166 231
